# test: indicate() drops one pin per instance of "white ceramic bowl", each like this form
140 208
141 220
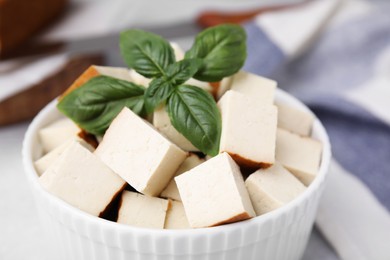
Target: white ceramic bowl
281 234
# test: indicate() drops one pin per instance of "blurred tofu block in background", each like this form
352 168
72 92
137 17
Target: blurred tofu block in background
176 217
142 211
271 188
214 193
300 155
27 103
171 191
82 180
248 130
295 120
21 19
251 85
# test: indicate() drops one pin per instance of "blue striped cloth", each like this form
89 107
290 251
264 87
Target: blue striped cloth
344 77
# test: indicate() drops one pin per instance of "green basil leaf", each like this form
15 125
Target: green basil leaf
223 50
157 92
181 71
96 103
194 113
145 52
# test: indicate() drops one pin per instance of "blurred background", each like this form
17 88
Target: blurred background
334 55
86 32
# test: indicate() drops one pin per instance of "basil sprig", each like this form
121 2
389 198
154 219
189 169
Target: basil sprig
217 52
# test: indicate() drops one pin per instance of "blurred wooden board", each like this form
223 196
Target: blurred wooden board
27 104
21 19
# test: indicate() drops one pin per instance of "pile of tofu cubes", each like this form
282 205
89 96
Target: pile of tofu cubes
175 188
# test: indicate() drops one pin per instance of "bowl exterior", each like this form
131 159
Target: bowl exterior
281 234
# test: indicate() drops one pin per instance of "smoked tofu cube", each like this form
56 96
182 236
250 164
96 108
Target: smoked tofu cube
115 72
79 178
224 86
248 130
57 133
136 151
142 211
251 85
300 155
99 139
43 163
294 120
179 53
214 193
201 84
162 123
171 191
139 79
271 188
176 217
94 71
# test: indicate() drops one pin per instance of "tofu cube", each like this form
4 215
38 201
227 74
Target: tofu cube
179 53
99 139
171 191
115 72
142 211
201 84
224 85
43 163
248 130
136 151
57 133
176 217
251 85
294 120
82 180
300 155
139 79
271 188
94 71
162 123
214 193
